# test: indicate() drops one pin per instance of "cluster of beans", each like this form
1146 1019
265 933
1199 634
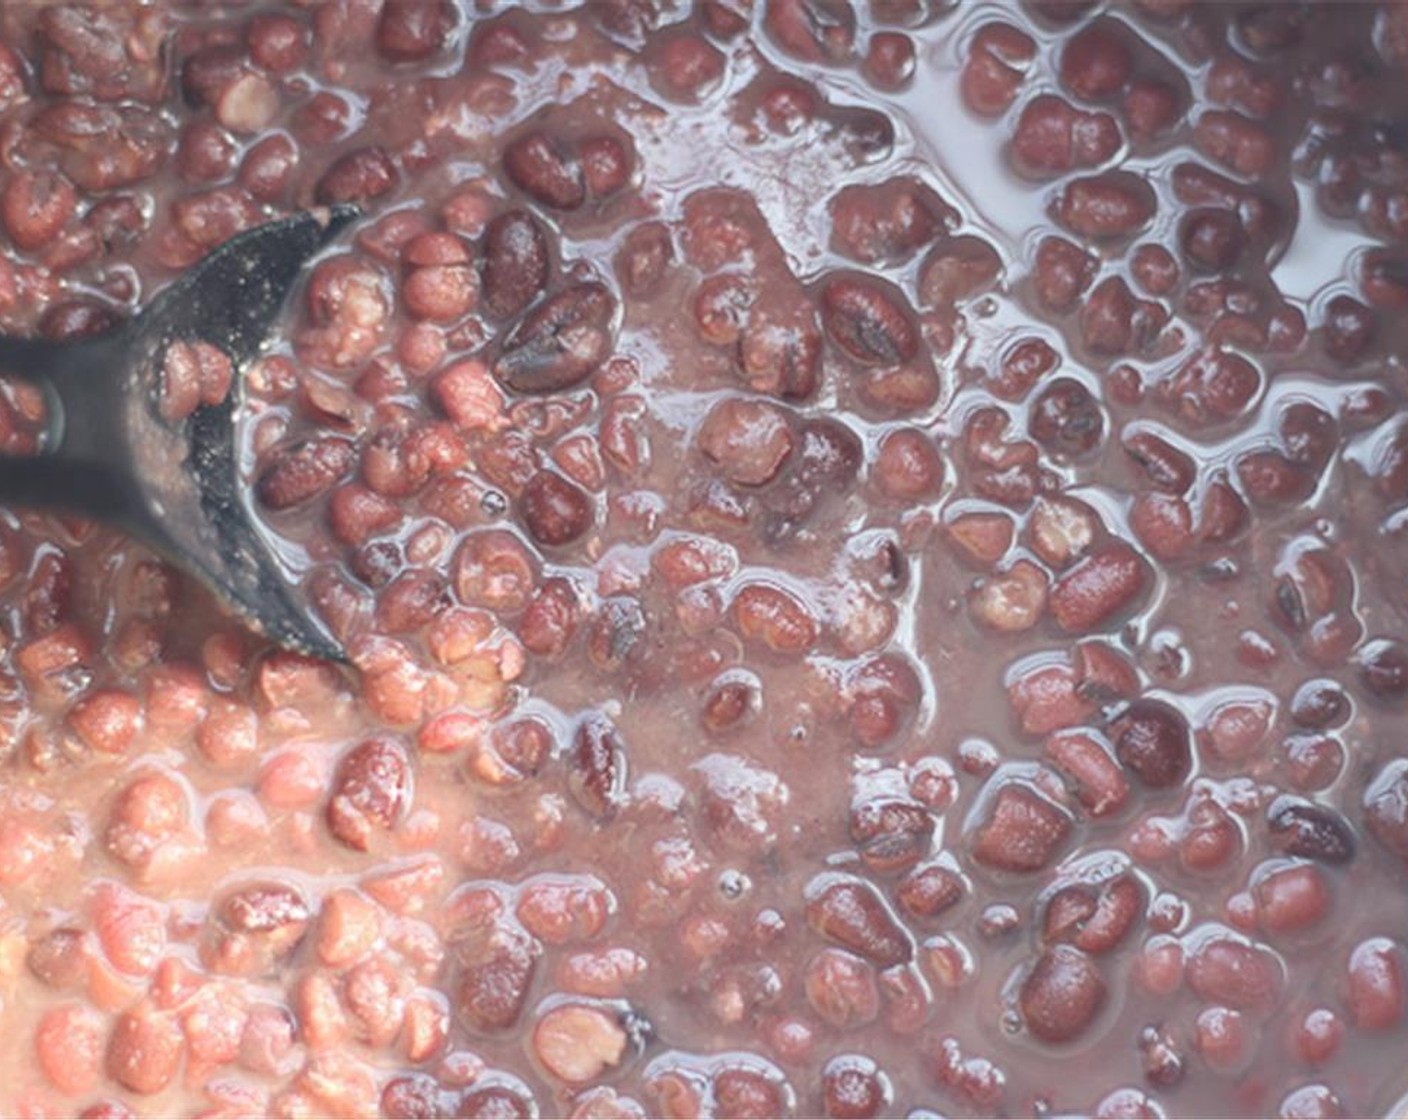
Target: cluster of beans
812 652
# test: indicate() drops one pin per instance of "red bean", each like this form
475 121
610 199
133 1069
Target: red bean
842 989
1383 669
1237 143
1151 739
277 42
1310 1102
493 983
1291 898
414 30
995 68
541 167
1045 698
1114 205
812 30
1099 588
1349 329
1234 972
305 471
957 270
748 440
774 617
361 175
851 913
144 1050
68 1044
560 343
597 776
889 60
1317 1036
371 792
854 1088
1013 600
928 891
868 322
1062 272
1212 386
1062 995
1052 137
907 465
555 511
1021 832
1096 62
35 206
1085 760
887 222
1374 988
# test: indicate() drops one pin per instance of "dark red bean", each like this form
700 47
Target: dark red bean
1348 329
891 833
560 343
1152 739
359 176
868 322
644 257
413 30
1095 918
493 987
515 262
1311 831
554 510
887 222
1166 466
1066 419
995 68
1061 273
1211 240
35 206
304 471
277 42
1383 669
927 892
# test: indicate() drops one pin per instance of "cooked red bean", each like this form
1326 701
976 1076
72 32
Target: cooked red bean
1152 740
560 343
1098 588
852 914
1022 831
1061 995
370 792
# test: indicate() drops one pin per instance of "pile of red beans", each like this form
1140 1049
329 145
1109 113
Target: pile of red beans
871 537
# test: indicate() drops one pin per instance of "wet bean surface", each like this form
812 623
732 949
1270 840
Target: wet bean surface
871 538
